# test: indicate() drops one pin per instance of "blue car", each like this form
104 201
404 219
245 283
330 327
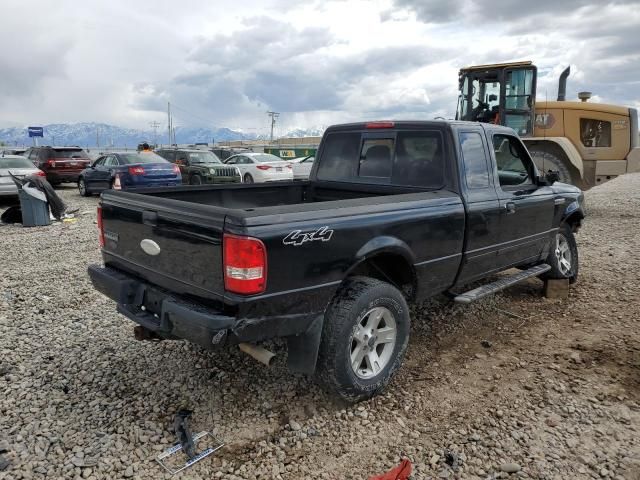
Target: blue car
128 170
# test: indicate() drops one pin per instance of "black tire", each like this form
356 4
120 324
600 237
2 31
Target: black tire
82 188
559 269
546 161
343 322
196 180
248 178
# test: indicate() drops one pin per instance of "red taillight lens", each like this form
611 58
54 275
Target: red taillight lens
100 228
176 169
263 167
380 125
245 264
289 166
136 170
40 173
51 162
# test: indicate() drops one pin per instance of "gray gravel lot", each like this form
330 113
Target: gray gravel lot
516 386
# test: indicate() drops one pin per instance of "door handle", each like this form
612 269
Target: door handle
510 207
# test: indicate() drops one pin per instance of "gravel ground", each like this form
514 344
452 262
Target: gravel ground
515 386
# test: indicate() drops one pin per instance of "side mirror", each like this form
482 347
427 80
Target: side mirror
552 177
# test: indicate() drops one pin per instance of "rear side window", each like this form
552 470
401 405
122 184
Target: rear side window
475 160
407 158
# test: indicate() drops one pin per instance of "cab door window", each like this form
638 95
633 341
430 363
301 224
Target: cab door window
514 165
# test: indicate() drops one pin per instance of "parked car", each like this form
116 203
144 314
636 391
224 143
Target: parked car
128 170
261 167
200 166
20 167
223 153
60 164
394 212
302 167
14 151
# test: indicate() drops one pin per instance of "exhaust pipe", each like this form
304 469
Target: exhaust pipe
562 84
259 353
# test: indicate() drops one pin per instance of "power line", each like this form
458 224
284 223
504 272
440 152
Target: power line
155 126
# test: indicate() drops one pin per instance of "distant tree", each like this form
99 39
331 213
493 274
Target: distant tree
2 144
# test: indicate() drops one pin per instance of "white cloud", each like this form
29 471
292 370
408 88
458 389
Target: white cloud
225 63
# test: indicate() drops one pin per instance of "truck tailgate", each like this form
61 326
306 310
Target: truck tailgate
175 245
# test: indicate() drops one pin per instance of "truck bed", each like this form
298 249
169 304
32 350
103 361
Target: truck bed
189 223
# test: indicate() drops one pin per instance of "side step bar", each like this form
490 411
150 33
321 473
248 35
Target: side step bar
501 284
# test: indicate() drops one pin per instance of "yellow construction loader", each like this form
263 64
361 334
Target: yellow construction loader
587 143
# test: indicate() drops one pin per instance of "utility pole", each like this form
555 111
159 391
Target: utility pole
273 116
97 137
155 126
169 121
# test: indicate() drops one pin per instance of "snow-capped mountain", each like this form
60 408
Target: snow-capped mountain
90 134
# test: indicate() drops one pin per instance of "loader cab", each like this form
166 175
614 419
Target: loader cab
503 94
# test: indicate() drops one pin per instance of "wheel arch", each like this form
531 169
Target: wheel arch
573 216
388 259
561 147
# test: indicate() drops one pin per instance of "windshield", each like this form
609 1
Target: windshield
15 162
265 157
146 157
203 157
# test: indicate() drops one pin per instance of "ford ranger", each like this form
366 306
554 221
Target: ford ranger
393 212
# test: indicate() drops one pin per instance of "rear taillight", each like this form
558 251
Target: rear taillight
51 162
289 166
263 167
136 170
100 228
380 125
176 169
245 264
40 173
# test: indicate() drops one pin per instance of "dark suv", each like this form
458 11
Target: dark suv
200 166
225 152
60 164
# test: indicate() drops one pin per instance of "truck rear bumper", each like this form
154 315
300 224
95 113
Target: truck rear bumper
158 311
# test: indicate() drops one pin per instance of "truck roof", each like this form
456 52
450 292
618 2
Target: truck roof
381 125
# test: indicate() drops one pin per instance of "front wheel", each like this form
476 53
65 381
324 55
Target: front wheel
196 180
82 188
364 338
248 178
563 256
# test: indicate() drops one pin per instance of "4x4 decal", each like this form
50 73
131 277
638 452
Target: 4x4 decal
298 237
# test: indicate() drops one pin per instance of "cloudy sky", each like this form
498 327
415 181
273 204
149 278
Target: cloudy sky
225 63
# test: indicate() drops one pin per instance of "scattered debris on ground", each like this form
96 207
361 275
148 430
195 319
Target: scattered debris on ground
516 386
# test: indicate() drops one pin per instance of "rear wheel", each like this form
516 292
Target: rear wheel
546 161
82 188
563 256
196 180
364 338
248 178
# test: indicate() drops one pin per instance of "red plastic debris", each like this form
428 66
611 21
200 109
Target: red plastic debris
401 472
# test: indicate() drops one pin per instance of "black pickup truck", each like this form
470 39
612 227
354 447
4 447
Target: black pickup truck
393 212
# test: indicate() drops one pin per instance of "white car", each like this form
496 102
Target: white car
261 167
302 168
19 167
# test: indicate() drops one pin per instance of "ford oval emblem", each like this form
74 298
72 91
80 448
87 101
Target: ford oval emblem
150 247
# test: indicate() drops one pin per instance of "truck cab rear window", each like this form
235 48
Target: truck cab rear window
409 158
